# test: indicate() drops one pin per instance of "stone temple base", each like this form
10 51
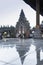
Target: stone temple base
37 34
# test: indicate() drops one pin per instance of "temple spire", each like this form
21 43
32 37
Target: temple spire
22 16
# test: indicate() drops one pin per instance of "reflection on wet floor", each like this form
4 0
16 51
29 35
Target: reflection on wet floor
20 52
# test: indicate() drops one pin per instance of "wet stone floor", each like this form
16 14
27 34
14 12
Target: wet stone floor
20 51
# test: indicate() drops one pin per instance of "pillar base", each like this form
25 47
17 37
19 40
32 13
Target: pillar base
37 26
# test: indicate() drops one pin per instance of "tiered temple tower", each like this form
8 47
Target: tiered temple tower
23 26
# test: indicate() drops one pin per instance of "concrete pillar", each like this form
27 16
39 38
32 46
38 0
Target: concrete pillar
37 14
38 56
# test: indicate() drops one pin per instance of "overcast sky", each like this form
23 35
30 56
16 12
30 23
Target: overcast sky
10 11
